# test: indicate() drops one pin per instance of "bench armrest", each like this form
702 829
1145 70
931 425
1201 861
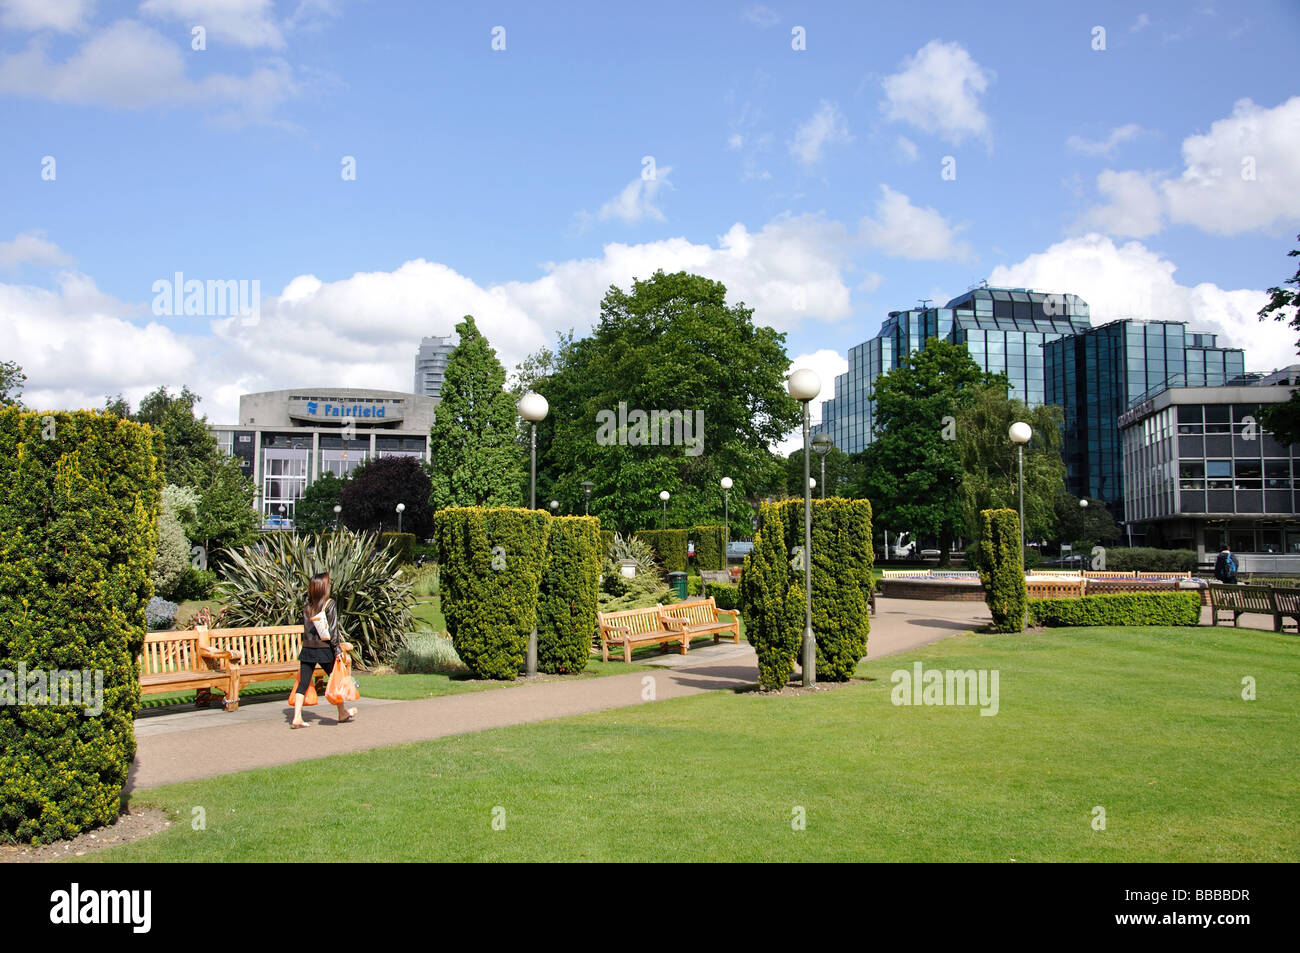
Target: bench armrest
668 622
222 655
614 628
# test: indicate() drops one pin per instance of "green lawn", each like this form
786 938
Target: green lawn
1147 723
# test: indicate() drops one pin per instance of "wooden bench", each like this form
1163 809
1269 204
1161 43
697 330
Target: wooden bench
1102 587
1067 588
1286 605
1239 599
631 627
701 617
185 660
264 654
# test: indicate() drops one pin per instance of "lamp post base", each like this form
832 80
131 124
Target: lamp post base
530 666
809 661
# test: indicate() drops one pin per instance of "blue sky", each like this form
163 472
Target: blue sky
1157 177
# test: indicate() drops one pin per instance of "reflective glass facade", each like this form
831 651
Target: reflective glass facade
1004 329
1097 375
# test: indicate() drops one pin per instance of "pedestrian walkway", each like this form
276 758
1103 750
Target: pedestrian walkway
193 744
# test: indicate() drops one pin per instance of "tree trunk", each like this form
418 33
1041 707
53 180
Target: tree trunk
945 548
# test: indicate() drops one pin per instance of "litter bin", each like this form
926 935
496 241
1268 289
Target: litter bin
677 580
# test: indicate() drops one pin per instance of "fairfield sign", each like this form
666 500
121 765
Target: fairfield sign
306 408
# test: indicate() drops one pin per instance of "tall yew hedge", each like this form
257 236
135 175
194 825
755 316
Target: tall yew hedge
772 593
566 608
79 502
491 561
669 546
710 547
1002 569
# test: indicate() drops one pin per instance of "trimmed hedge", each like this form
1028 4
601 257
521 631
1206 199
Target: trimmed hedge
401 545
606 541
669 546
1148 559
1138 608
710 547
566 607
1001 569
726 597
693 585
79 502
772 595
490 598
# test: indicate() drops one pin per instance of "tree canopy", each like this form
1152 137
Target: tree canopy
474 439
674 390
1283 420
371 494
12 379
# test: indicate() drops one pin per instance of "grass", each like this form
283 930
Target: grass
1148 723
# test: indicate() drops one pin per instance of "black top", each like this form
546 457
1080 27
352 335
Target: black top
314 648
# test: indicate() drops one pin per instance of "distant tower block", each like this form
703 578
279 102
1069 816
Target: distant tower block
431 365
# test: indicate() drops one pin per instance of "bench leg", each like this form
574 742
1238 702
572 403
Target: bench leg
232 691
686 644
627 652
203 698
604 651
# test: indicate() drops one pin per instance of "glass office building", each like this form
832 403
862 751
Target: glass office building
1200 472
431 365
1097 374
1004 330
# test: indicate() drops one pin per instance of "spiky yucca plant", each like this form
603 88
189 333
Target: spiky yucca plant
266 584
637 550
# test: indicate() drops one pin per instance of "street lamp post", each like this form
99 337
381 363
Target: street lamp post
663 495
726 518
401 508
555 506
337 510
804 385
533 408
822 443
1020 433
587 487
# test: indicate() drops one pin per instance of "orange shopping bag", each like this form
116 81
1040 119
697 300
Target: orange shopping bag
342 686
310 698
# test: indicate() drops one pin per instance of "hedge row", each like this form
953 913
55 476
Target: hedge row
772 593
606 541
401 545
726 597
669 546
1138 608
710 547
1001 569
1148 559
504 570
566 608
79 502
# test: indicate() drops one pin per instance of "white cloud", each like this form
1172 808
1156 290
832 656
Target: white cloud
938 90
828 364
908 148
735 141
1132 281
1134 208
1240 176
1104 147
1141 23
247 23
77 344
62 16
636 200
871 282
131 66
825 127
762 16
903 230
31 248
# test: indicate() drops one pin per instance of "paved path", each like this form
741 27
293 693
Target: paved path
258 736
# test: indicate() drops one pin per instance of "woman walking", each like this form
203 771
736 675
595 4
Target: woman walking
320 644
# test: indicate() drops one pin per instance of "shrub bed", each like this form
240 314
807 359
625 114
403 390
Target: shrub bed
79 502
726 597
399 545
1139 608
1148 559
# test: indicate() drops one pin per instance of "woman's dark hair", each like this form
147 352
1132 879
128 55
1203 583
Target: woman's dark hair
318 590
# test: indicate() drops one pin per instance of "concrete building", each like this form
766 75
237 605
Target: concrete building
286 439
1199 471
431 365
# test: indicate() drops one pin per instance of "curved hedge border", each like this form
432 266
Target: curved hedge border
1139 608
566 608
79 501
772 595
1002 569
